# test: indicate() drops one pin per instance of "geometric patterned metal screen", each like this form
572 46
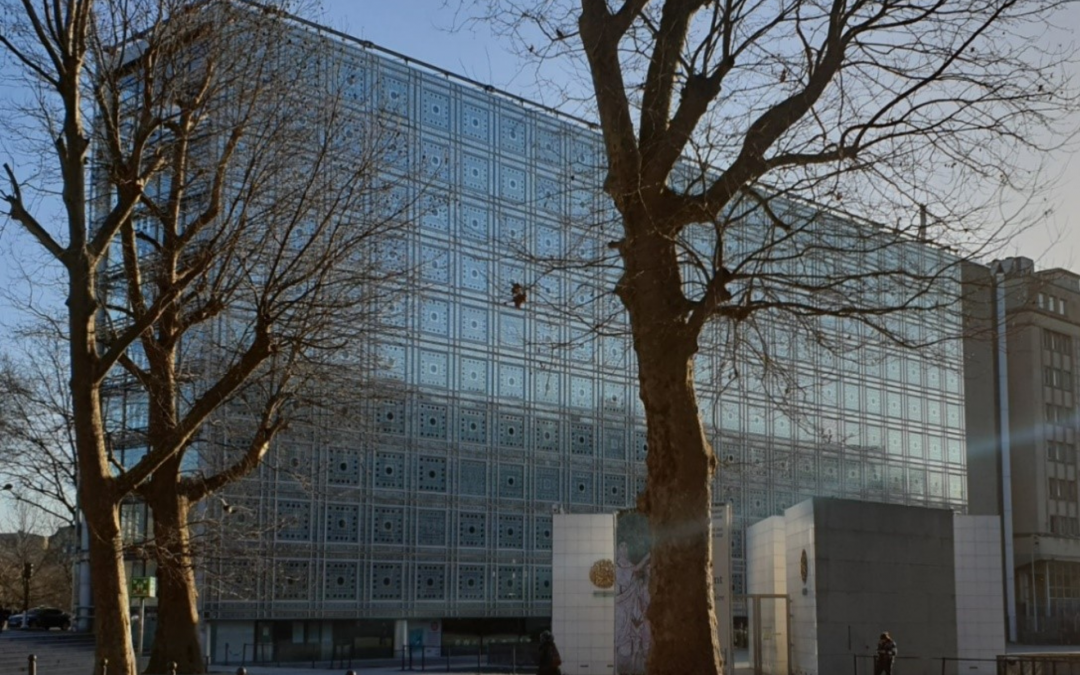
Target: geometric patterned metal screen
442 507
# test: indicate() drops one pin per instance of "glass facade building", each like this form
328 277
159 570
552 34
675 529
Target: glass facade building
441 508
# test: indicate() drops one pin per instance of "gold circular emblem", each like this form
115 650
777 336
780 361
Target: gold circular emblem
602 574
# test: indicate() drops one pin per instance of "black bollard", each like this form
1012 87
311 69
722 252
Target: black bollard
241 671
172 667
350 672
105 666
31 664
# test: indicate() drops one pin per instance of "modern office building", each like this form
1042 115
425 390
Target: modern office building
431 519
1022 424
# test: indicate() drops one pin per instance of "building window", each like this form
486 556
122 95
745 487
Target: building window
1063 489
1064 525
1058 414
1057 342
1057 378
1052 303
1064 585
1060 452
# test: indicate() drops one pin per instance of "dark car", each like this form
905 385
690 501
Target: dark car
41 617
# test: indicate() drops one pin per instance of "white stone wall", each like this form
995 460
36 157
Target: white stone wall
804 623
980 605
766 573
583 616
766 556
722 586
876 574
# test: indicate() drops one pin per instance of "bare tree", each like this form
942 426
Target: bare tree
37 461
733 132
30 536
221 242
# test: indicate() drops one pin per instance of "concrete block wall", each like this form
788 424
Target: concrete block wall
801 536
766 555
582 615
883 567
930 577
766 546
980 605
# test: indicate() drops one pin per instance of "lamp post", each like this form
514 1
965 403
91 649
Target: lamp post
28 572
1034 585
28 567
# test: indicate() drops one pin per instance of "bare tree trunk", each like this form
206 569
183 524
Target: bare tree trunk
176 637
681 464
98 495
112 625
677 503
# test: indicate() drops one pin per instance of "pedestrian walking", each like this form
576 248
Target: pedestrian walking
549 660
886 654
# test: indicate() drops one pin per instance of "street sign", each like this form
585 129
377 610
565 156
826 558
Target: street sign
143 587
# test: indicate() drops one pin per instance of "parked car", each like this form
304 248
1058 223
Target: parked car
41 617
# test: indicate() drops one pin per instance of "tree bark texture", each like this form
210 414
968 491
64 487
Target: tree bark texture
680 461
98 494
112 625
176 636
678 505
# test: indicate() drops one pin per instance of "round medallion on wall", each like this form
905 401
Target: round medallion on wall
602 574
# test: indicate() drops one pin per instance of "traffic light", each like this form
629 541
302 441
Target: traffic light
28 570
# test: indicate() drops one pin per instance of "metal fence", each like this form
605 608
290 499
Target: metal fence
503 658
1005 664
32 666
510 658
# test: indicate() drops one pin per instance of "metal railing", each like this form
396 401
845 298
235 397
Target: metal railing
897 668
1004 664
258 653
1038 664
423 658
170 669
32 666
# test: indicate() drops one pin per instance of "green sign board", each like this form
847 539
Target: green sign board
143 587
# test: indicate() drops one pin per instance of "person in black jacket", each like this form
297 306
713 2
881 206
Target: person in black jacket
549 660
886 654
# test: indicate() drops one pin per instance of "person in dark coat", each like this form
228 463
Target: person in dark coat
886 654
4 614
548 661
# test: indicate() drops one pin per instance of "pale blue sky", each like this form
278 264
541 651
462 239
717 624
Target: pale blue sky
421 29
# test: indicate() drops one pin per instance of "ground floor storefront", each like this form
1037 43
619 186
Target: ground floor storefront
307 640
